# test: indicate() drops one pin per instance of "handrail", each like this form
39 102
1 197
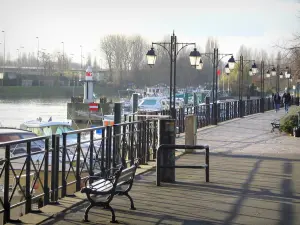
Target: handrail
170 147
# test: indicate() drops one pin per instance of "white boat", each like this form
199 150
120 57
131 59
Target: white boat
153 104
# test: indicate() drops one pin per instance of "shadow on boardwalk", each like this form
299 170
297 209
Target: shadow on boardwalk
243 190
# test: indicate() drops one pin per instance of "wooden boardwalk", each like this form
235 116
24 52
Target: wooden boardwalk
243 190
254 180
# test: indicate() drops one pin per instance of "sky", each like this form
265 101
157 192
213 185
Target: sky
256 24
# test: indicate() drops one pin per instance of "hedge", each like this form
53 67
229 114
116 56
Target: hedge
290 120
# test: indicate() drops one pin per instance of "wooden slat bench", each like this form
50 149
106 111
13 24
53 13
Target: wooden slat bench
118 184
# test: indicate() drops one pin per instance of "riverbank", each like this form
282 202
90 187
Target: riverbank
7 92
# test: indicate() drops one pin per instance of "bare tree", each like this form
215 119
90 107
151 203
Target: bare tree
107 48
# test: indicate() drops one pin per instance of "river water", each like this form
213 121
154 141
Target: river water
13 111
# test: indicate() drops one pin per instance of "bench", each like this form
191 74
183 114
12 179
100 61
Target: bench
275 125
118 184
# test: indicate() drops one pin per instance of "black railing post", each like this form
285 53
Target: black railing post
181 120
143 152
235 109
91 162
124 141
57 147
46 171
219 112
227 110
108 147
6 203
102 151
207 164
78 147
154 138
148 140
139 140
131 133
241 114
207 111
116 143
53 169
27 180
63 166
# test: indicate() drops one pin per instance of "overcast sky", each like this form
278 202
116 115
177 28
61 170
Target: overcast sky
255 23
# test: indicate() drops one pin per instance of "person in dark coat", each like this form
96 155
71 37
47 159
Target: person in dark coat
276 100
286 101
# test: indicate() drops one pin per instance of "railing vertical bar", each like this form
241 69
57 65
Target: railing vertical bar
46 173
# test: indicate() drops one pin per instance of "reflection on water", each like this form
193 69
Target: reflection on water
14 112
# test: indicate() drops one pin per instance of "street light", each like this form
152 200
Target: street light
173 48
227 70
200 66
252 71
231 63
195 58
281 75
273 72
214 57
151 57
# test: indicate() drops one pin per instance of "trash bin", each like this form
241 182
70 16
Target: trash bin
167 135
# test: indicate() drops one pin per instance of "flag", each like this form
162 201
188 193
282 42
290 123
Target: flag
218 72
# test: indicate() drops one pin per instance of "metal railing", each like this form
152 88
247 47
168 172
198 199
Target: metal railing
173 147
53 167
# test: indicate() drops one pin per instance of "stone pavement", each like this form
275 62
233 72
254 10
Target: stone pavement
254 179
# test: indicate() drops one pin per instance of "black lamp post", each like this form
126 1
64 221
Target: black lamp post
252 72
173 48
214 57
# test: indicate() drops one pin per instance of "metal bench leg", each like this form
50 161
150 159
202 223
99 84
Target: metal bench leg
87 212
131 201
113 217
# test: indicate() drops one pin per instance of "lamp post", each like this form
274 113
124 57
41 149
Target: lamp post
214 57
264 73
21 57
173 48
252 71
37 57
81 57
63 55
3 52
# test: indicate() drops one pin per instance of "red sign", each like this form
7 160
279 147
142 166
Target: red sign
88 74
93 106
219 72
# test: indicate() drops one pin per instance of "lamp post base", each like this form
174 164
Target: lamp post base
262 105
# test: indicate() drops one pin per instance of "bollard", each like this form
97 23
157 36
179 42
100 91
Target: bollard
135 99
195 100
117 127
186 98
190 131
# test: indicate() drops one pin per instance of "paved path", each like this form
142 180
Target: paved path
255 179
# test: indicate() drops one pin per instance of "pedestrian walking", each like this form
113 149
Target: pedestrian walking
276 100
286 101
